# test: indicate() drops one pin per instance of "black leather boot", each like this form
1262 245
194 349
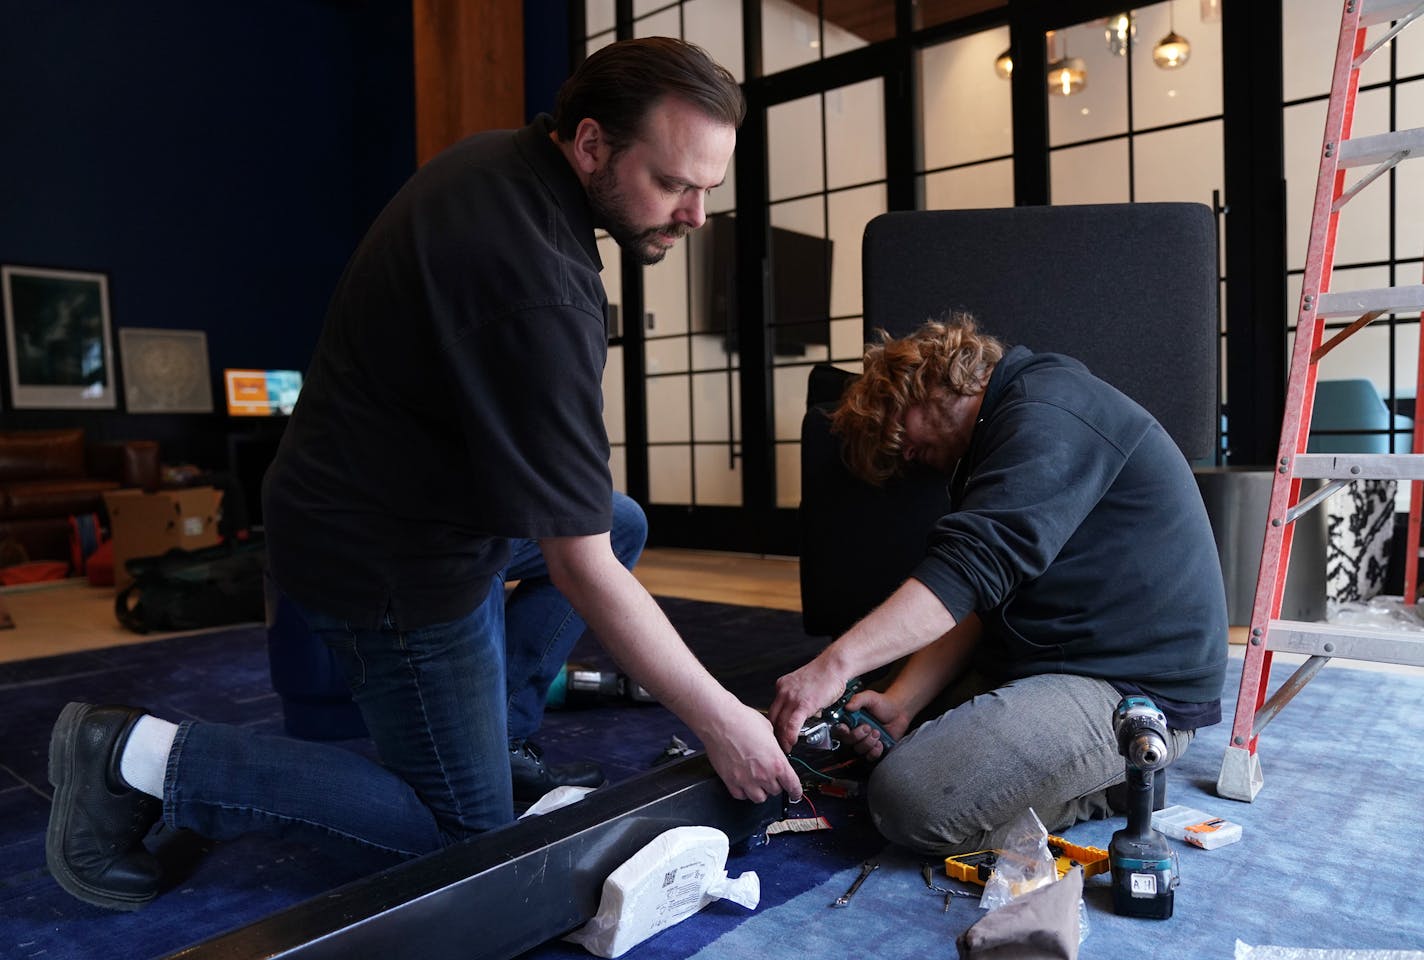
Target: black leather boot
533 777
94 845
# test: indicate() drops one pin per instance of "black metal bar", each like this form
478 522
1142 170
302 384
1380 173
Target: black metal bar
902 124
753 312
1254 143
819 76
1030 112
502 892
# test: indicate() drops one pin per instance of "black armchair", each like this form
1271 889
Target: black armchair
1129 289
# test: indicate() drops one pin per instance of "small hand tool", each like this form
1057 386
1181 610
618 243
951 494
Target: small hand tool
927 871
865 868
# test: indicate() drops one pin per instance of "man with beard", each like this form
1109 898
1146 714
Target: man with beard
449 438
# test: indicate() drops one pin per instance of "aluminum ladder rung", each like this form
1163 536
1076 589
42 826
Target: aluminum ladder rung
1350 303
1377 644
1363 151
1383 11
1359 466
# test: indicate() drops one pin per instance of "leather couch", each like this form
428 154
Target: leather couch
47 476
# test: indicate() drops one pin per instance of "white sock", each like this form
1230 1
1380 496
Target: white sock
145 756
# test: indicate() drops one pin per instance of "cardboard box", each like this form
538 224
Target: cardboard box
150 524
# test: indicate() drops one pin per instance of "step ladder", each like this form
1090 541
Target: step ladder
1241 777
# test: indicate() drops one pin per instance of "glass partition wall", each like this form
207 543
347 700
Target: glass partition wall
861 106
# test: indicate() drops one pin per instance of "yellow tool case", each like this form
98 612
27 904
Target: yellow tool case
975 867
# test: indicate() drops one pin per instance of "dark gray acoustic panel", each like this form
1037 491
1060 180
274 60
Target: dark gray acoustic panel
1129 289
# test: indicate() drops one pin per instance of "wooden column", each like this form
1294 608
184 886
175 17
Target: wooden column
469 70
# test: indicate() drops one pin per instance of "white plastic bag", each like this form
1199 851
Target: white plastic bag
670 879
558 797
1244 951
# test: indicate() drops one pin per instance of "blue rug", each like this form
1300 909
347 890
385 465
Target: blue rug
1330 854
1330 857
223 677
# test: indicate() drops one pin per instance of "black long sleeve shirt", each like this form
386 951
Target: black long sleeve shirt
1078 535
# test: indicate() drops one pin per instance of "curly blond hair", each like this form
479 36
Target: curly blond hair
942 356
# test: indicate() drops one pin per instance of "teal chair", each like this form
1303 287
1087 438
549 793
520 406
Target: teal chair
1355 405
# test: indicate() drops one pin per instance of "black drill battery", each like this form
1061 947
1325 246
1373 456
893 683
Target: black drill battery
1144 877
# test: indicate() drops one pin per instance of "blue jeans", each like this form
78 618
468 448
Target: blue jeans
439 710
540 626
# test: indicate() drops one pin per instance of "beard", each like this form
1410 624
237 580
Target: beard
610 211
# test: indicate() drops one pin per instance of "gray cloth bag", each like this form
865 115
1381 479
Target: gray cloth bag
1040 925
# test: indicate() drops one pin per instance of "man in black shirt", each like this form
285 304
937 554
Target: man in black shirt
453 407
1076 565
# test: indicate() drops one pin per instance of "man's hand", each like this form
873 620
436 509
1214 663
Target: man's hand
638 635
888 712
745 756
802 693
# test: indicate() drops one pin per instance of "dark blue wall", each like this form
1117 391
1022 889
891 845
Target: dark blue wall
546 53
218 162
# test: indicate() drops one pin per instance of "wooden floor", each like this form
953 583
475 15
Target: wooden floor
69 615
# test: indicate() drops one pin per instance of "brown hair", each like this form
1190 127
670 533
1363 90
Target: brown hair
941 356
619 82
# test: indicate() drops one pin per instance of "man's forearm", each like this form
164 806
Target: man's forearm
636 633
738 739
910 620
932 668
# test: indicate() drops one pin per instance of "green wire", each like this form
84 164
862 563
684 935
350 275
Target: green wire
810 768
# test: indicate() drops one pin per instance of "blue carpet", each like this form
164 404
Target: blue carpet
1330 855
224 677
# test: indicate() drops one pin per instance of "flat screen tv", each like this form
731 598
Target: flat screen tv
800 286
261 393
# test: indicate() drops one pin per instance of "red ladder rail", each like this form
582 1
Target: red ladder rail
1241 773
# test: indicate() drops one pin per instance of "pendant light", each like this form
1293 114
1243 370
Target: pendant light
1173 50
1004 64
1120 33
1066 75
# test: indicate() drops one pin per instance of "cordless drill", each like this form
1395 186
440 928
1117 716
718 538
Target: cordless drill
838 712
1144 867
816 733
581 685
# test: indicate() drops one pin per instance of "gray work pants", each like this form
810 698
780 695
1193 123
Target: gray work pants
957 782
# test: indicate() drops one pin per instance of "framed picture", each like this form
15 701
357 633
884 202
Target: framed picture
57 338
165 371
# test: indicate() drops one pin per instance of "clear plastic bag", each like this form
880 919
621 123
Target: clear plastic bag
1390 613
1025 864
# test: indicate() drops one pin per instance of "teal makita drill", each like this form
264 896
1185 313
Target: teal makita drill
816 734
1144 867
